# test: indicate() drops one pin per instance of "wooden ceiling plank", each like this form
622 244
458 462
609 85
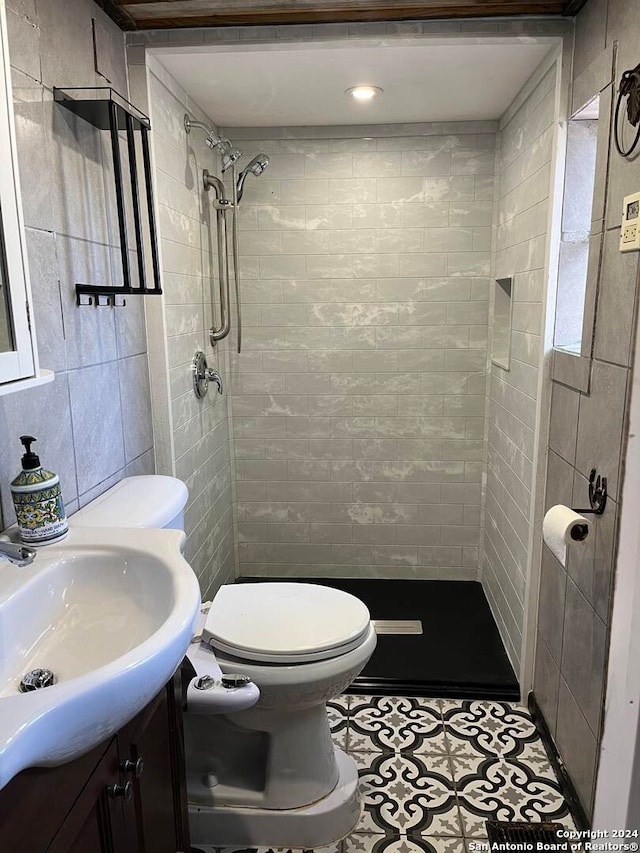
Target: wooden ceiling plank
441 13
117 14
161 14
572 7
224 7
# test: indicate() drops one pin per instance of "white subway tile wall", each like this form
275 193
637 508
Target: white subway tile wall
201 446
523 181
358 399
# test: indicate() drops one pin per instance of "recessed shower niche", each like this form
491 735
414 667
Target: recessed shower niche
502 315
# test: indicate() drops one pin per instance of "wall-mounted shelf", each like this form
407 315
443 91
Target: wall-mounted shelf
105 109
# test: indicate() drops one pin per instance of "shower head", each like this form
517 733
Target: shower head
211 139
229 154
255 167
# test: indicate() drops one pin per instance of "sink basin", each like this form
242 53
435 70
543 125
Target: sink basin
111 613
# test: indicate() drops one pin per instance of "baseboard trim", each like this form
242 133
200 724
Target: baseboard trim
567 787
432 690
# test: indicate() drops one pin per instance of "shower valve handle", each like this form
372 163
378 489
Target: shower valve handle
202 375
214 376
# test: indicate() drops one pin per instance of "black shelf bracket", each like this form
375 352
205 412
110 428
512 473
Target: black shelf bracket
105 109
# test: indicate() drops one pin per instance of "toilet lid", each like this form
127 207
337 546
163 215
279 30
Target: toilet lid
285 622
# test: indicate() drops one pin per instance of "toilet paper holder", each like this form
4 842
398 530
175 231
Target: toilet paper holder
597 494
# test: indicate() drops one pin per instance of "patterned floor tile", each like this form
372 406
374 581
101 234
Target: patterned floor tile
360 842
341 703
443 845
479 844
434 770
331 848
402 795
395 724
488 728
338 723
534 756
466 766
491 788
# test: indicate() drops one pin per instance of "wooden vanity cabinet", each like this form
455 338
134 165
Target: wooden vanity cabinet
126 796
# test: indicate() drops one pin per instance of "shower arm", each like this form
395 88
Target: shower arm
221 205
236 254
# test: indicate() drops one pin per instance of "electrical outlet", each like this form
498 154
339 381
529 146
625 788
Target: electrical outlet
630 229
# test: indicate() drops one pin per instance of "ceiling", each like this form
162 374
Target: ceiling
161 14
301 85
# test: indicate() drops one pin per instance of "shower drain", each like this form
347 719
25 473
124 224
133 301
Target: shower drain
397 626
36 679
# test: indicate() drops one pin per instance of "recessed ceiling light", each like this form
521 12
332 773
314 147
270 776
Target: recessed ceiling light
363 93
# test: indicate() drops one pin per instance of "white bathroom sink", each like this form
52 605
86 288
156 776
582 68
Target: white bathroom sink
111 613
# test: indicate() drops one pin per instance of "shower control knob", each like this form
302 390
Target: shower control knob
202 375
235 680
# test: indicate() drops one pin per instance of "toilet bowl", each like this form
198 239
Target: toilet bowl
269 775
261 766
301 644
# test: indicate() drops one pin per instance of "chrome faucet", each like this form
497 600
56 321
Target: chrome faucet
20 555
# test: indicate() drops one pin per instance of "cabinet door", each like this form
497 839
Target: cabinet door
75 808
36 803
155 738
96 823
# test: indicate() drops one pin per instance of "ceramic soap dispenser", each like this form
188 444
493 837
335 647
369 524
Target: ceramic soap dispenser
37 498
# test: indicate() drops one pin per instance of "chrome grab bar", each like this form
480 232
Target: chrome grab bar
221 205
236 256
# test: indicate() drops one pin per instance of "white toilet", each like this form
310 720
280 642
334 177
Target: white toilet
149 501
261 767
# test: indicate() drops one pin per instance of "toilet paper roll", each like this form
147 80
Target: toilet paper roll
561 527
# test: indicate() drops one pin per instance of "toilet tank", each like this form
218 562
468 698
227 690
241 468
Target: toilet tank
147 501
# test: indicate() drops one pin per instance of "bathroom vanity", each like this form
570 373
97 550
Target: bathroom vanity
127 795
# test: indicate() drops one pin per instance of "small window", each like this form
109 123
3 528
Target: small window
502 307
579 182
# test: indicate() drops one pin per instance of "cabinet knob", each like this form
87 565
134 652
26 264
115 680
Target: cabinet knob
135 767
121 791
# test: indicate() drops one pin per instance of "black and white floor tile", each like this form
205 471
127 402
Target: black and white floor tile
433 771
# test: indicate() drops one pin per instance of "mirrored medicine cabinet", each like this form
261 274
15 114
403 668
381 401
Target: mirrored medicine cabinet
18 356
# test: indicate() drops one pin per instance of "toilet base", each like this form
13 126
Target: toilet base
323 822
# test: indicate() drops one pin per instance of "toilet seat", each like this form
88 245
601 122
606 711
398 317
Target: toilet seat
285 623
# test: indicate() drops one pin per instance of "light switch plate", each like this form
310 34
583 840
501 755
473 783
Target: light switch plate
630 228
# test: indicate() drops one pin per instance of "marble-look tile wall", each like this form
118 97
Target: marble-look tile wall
93 422
199 430
588 428
358 400
523 187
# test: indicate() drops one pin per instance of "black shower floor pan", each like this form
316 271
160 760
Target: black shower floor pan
459 654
